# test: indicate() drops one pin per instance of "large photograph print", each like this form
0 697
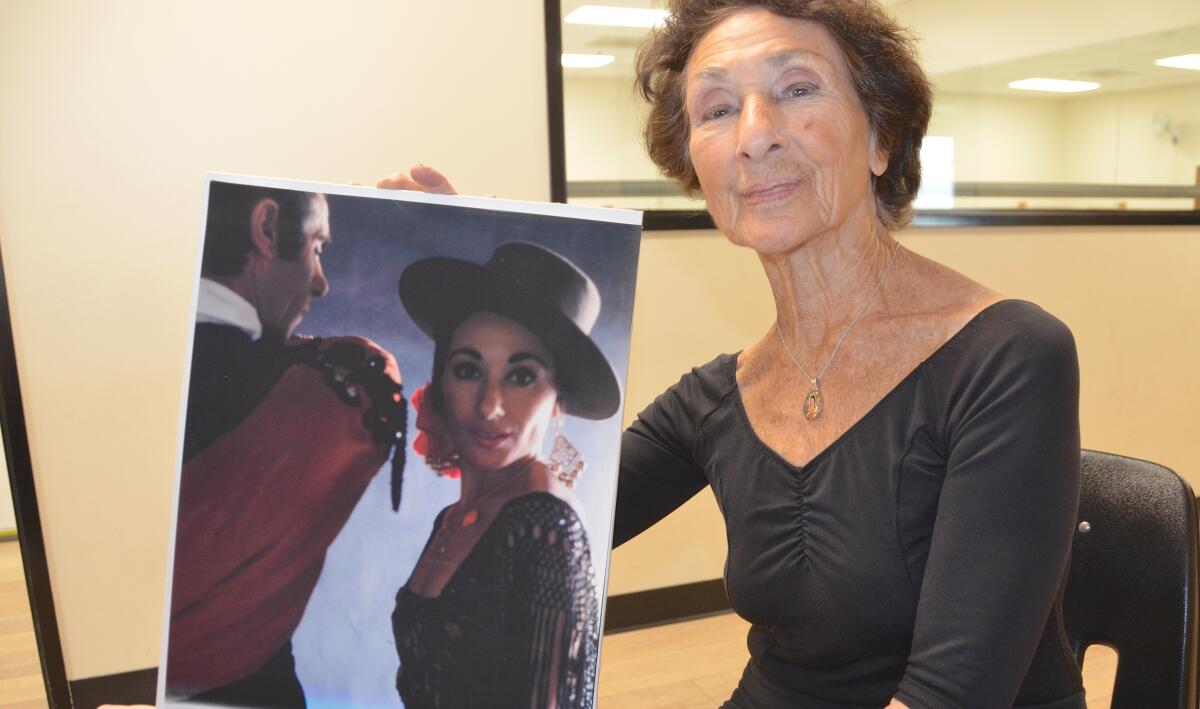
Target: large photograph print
399 450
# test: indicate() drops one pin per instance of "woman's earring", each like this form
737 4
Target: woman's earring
566 462
446 467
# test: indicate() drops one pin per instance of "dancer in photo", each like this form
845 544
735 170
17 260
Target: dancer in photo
501 608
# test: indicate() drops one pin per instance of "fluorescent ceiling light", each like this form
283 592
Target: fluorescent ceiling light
1061 86
1183 61
586 61
616 16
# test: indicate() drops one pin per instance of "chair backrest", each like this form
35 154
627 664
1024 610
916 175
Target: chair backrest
1132 580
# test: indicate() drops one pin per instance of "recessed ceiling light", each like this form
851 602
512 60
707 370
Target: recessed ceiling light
586 61
1183 61
1061 86
616 16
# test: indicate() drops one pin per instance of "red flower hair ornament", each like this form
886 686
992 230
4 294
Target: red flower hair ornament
433 440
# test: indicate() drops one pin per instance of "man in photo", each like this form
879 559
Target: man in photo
282 436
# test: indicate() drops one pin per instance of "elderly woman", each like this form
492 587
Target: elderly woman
501 609
897 458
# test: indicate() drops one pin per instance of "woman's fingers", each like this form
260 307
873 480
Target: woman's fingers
398 181
421 178
431 180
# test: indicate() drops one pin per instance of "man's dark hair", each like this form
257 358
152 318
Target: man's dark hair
227 231
882 60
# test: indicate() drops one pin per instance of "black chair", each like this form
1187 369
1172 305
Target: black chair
1132 581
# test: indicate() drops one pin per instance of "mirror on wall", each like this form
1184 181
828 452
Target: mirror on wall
1117 128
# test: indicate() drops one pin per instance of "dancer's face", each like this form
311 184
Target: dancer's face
499 392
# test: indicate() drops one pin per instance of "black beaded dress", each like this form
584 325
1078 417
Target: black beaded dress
517 625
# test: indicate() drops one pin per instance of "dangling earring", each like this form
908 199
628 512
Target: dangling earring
445 467
566 462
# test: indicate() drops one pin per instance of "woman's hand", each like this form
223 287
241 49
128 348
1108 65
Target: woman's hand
421 178
896 704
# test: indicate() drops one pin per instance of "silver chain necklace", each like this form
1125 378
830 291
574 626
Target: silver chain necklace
814 403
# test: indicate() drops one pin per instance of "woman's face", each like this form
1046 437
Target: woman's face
779 140
498 390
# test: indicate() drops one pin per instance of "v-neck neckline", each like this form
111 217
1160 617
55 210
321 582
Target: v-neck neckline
815 460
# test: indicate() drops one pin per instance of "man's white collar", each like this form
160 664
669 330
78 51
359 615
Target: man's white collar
219 305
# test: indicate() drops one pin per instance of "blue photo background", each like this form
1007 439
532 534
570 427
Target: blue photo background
345 652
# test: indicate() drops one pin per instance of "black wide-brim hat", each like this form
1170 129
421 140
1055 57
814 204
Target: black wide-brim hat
535 287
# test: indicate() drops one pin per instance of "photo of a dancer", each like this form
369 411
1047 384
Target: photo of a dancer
511 326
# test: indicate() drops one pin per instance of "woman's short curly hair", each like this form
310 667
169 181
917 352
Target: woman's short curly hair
882 60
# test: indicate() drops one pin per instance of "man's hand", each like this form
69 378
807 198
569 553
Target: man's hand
421 178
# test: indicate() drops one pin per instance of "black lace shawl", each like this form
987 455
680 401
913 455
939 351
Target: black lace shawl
516 626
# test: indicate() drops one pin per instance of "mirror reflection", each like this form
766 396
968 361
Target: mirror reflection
1076 105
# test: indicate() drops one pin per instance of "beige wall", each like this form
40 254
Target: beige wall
112 112
1132 299
697 297
1130 295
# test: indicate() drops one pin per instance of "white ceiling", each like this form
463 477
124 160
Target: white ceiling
978 46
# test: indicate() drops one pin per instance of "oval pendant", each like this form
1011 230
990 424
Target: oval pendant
813 404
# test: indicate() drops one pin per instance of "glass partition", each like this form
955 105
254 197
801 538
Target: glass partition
1117 133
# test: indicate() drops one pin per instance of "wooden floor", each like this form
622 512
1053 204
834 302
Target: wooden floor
692 664
698 663
20 672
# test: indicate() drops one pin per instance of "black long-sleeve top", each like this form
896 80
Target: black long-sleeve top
922 554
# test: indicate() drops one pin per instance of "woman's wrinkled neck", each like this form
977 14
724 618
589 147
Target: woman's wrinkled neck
819 286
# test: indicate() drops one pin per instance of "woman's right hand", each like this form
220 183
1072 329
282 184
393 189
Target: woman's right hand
421 178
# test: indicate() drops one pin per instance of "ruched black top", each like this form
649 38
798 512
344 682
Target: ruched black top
922 554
